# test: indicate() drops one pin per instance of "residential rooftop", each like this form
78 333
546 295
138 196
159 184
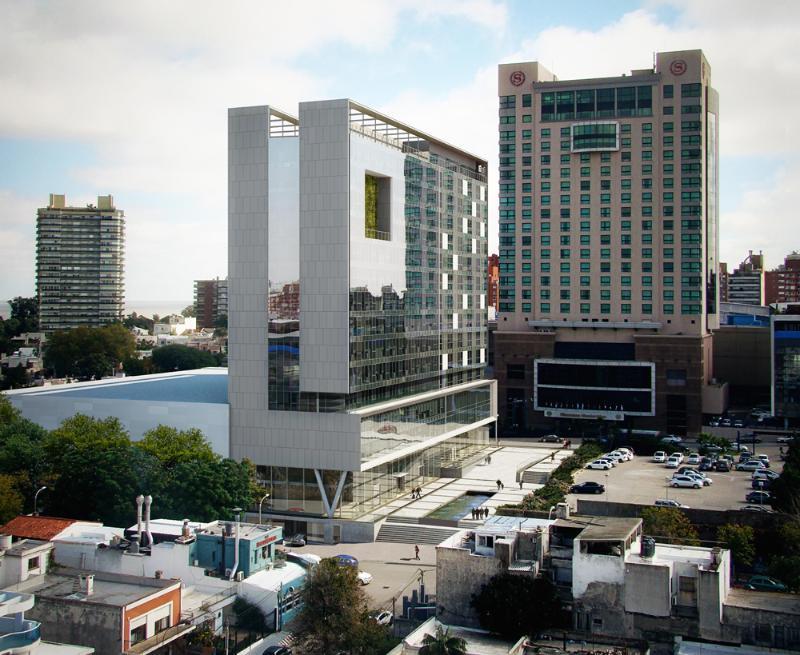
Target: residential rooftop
600 528
43 528
112 589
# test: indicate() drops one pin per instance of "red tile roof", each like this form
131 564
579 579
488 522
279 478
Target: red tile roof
43 528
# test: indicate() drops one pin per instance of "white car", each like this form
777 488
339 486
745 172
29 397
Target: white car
685 481
704 479
383 618
693 459
672 439
614 456
625 449
785 439
364 578
673 463
679 456
764 459
659 457
601 464
626 456
607 460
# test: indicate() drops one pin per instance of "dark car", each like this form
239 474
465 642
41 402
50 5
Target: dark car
722 465
587 488
296 541
551 438
758 497
346 560
764 583
706 464
278 650
761 483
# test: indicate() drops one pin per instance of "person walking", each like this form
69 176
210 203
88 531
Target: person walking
499 484
553 456
416 552
520 484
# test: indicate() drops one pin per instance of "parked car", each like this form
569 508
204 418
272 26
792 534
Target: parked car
760 483
278 650
673 463
738 423
764 459
743 457
742 448
346 560
725 423
685 481
616 456
764 583
599 464
755 508
672 439
669 502
722 465
551 438
765 474
706 464
750 465
296 541
607 461
587 487
364 578
759 497
693 458
784 439
678 455
384 617
714 423
627 449
707 482
659 457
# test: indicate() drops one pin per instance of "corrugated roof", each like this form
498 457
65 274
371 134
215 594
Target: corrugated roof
43 528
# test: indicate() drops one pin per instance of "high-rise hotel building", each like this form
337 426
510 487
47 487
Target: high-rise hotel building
608 246
357 310
80 264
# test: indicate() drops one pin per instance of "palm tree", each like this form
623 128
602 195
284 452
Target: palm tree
443 644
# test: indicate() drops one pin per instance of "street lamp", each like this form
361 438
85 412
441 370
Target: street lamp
35 500
261 502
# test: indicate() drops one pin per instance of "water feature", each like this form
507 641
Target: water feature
460 507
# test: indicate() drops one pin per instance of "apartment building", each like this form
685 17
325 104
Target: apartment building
371 382
210 302
80 264
746 283
608 246
782 285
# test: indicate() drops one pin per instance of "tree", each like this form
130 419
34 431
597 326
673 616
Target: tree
8 413
334 610
188 311
786 565
15 377
181 358
171 446
135 320
89 352
740 540
11 500
80 434
443 643
669 524
221 321
101 484
249 617
26 311
785 490
204 490
517 605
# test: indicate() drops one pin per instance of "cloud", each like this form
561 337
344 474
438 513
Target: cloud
17 244
147 85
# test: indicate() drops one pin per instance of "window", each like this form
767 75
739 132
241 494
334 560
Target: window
527 118
691 90
139 634
161 624
33 563
508 102
526 99
507 120
668 90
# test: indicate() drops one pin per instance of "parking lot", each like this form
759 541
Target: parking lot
642 481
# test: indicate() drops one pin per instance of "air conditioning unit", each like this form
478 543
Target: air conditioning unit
228 573
196 562
239 576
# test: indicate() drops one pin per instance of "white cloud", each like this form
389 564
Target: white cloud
147 85
17 245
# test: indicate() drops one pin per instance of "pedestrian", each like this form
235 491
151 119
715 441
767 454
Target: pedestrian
520 484
486 512
552 456
489 459
473 513
502 486
499 484
416 552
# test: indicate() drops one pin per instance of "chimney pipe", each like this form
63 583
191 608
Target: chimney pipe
185 531
236 544
139 501
148 500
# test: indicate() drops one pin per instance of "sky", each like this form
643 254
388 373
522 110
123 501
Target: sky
130 99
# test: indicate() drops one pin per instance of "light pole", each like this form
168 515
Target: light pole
261 502
35 500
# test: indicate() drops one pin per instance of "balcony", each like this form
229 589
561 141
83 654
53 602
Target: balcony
18 636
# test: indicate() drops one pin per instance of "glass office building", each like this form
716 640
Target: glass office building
786 367
357 305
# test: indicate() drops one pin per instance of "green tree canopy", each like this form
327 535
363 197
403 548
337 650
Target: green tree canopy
188 311
516 605
785 490
181 358
171 446
136 320
740 540
669 524
81 433
11 500
443 643
333 617
89 352
8 413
